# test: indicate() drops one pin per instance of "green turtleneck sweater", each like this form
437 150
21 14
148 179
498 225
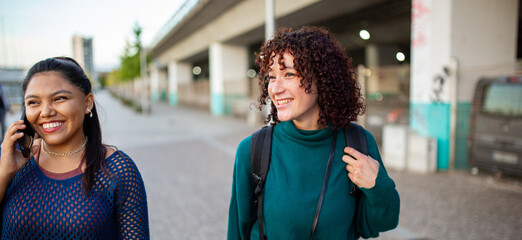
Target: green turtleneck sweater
293 186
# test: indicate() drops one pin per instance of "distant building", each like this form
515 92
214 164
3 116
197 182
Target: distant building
83 54
11 79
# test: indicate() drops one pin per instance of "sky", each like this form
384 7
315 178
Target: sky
32 30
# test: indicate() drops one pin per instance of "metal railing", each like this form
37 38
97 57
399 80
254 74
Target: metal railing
174 20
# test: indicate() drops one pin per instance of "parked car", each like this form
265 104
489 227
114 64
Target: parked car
495 138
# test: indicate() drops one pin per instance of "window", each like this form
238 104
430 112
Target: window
503 99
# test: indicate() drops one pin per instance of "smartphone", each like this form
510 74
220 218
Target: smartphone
26 142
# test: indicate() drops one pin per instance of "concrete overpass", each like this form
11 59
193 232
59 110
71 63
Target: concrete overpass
202 56
235 29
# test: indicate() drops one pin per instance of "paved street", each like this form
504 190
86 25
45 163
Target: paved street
186 158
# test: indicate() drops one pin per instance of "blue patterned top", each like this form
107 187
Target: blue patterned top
38 207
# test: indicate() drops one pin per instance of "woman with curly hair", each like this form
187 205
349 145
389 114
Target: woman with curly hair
310 84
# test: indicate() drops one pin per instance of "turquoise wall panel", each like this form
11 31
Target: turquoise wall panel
217 104
462 132
154 96
173 99
433 120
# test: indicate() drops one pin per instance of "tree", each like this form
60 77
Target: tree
130 61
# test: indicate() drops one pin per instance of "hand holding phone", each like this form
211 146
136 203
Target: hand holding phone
26 142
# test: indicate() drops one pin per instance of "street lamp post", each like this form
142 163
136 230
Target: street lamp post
144 80
269 32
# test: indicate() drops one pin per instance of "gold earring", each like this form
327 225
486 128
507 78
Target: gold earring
90 113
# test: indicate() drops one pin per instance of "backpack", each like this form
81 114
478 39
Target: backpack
260 150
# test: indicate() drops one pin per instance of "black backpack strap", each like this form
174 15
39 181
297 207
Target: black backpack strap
355 137
325 184
260 150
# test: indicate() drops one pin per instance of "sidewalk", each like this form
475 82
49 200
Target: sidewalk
446 205
186 157
457 205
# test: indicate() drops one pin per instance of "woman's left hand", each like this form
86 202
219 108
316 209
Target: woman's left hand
362 169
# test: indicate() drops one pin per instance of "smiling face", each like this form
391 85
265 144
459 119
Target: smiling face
56 108
289 97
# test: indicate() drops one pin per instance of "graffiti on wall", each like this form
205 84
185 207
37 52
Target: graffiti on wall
420 15
438 85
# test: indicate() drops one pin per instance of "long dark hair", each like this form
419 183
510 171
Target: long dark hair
319 59
95 150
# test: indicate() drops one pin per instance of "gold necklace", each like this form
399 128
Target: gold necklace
54 154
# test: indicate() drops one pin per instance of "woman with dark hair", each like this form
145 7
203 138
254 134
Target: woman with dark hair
310 84
76 187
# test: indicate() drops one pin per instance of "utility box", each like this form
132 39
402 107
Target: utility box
395 145
422 153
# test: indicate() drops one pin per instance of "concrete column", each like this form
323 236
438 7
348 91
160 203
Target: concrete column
372 63
481 36
372 56
163 85
177 73
154 83
228 65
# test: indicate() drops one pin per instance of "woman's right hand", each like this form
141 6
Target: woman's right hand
11 159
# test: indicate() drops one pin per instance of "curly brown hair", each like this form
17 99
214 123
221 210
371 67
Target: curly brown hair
318 58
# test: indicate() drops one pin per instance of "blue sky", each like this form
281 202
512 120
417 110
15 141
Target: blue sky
31 30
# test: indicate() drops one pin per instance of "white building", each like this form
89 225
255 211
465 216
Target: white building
83 53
